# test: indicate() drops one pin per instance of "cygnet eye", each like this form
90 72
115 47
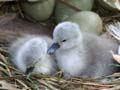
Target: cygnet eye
64 40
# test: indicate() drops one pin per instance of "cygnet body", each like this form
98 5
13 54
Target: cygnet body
31 51
81 54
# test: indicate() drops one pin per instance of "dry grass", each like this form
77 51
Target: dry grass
12 79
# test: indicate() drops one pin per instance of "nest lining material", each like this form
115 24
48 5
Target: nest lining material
12 79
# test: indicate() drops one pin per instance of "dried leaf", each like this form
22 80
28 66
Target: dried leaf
116 57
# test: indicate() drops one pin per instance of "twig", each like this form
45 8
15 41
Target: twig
69 5
22 83
46 84
114 88
90 84
62 81
13 77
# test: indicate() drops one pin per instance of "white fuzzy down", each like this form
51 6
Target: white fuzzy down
82 54
32 51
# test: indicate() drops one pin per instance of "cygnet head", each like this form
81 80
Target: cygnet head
66 35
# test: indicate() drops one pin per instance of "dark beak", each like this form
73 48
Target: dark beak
53 48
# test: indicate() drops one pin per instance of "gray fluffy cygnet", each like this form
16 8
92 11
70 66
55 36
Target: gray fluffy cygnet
81 54
30 52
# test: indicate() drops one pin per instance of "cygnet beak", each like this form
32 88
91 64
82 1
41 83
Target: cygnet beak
53 48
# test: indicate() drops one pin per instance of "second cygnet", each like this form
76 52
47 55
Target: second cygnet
81 54
29 54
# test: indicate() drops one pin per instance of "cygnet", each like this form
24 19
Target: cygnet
81 54
29 54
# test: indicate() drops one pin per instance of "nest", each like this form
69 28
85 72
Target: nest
12 79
